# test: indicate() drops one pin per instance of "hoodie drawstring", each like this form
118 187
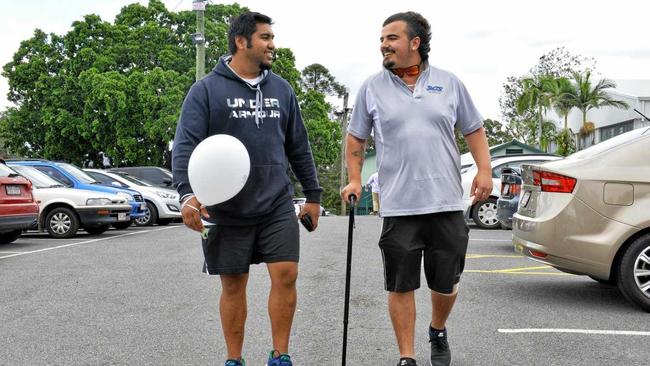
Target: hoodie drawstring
259 98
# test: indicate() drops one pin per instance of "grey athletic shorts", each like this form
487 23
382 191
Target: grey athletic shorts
442 237
231 249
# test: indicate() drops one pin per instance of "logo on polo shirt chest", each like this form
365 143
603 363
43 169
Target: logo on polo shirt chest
434 89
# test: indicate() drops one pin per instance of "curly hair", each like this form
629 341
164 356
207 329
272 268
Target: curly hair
416 26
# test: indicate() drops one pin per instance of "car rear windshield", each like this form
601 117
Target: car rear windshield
5 171
78 173
610 144
38 178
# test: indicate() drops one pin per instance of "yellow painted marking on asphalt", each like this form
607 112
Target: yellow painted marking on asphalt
480 256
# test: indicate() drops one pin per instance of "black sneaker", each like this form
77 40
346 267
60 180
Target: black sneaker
440 353
405 361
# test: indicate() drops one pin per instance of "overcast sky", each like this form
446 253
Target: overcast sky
482 42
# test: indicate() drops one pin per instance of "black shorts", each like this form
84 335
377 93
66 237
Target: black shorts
232 249
443 238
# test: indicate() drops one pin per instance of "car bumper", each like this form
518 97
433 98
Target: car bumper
169 209
577 239
18 222
104 215
138 209
506 208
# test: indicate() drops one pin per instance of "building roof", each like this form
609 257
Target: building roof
638 88
468 159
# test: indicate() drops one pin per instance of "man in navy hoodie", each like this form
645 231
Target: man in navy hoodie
241 97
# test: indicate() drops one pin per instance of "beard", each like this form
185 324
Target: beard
389 64
266 65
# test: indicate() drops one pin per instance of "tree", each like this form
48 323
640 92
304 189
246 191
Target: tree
536 95
318 77
108 87
588 97
562 92
557 63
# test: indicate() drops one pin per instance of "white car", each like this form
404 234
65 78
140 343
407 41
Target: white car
63 211
484 213
162 203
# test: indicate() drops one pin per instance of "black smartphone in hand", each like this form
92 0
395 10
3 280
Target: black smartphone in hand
305 220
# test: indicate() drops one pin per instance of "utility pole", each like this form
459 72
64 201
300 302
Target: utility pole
199 38
344 125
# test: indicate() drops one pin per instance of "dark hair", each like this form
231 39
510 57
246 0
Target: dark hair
245 25
416 26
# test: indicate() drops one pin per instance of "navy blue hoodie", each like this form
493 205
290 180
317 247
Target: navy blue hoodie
266 119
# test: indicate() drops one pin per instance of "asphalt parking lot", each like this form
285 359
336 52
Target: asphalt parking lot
138 297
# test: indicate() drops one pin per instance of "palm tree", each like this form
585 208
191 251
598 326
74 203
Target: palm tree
588 97
536 95
563 93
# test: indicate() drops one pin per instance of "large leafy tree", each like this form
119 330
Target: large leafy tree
495 132
112 87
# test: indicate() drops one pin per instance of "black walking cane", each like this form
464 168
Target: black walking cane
348 267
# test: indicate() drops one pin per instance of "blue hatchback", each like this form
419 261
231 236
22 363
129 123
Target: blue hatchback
71 176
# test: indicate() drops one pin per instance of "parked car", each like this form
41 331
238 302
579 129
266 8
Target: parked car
484 213
162 204
299 202
508 202
588 214
64 210
73 177
18 207
151 174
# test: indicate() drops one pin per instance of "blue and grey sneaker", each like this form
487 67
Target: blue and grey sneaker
440 353
239 362
278 359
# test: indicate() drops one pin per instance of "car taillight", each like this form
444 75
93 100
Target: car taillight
552 182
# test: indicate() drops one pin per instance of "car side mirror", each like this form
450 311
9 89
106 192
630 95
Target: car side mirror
167 181
116 184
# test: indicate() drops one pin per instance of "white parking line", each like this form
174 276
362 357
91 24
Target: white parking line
580 331
87 242
9 252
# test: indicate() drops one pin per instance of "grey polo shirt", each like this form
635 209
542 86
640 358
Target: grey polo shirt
417 157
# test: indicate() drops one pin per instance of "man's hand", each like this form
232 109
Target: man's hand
481 186
353 188
313 210
192 211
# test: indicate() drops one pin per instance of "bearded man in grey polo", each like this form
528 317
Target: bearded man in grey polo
413 109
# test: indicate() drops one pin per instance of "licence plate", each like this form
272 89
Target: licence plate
13 190
143 206
121 216
524 199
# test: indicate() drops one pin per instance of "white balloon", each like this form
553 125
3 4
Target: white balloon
218 169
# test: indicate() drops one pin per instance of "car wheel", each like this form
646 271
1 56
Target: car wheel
634 272
96 230
9 237
484 214
122 225
150 216
62 223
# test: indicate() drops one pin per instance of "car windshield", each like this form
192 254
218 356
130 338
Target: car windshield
78 173
610 144
38 178
133 180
